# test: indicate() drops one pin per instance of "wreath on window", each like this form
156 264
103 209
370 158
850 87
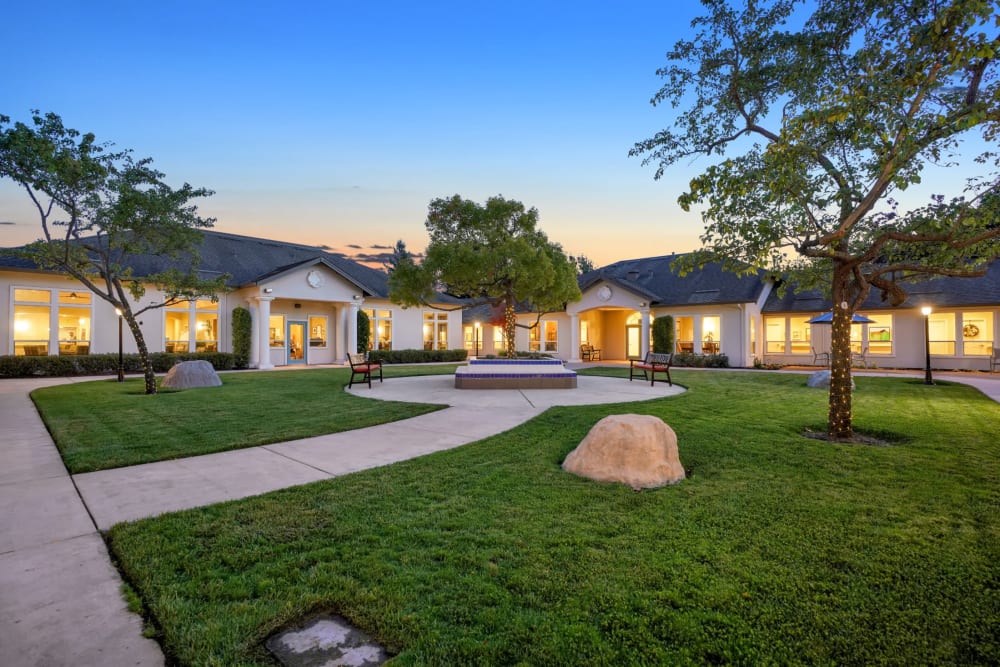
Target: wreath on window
970 331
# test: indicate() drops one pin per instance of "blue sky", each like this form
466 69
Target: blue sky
336 123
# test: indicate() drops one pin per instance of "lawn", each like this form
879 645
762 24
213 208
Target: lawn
778 549
107 424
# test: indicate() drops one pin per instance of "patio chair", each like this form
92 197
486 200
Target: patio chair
820 356
364 368
859 358
589 353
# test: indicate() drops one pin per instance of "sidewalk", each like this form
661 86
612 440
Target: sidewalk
60 602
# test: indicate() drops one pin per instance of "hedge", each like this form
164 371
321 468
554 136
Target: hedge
104 364
700 360
416 356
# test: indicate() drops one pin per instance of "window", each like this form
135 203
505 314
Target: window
206 326
977 334
941 332
179 321
857 337
711 334
276 330
317 331
31 322
880 335
379 329
774 334
534 345
435 331
800 332
685 334
499 345
551 331
74 322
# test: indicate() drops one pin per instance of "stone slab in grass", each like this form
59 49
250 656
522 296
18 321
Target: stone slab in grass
327 640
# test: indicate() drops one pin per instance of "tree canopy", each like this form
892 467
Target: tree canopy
487 254
99 209
814 124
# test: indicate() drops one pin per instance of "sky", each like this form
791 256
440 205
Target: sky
335 124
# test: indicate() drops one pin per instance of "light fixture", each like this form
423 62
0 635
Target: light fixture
355 296
268 290
926 311
121 362
642 304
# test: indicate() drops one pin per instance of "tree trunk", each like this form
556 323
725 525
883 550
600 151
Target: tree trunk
509 327
140 342
839 424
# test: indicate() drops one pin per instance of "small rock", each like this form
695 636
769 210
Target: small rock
191 374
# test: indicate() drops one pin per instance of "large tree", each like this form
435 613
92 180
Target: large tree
99 209
814 123
488 254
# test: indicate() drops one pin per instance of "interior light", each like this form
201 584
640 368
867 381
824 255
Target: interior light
926 310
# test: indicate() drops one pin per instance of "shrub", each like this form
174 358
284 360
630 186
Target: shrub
663 334
701 360
417 356
242 324
104 364
364 332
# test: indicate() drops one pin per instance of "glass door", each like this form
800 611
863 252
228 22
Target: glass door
296 342
632 342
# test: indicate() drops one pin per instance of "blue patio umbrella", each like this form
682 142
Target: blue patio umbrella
827 318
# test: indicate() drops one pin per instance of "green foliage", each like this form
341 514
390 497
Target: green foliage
489 253
242 336
777 549
700 360
814 123
364 332
663 334
106 364
99 209
417 356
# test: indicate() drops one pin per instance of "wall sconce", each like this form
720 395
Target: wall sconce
355 296
642 304
268 290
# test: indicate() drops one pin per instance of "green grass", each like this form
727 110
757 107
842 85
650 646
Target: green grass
106 424
777 550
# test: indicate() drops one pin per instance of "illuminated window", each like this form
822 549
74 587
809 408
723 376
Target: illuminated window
774 335
977 334
711 334
551 329
317 331
499 345
880 337
191 326
74 322
176 329
685 334
800 333
276 330
941 330
379 329
435 331
32 322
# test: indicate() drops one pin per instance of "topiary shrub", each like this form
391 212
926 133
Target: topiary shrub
364 332
663 334
242 324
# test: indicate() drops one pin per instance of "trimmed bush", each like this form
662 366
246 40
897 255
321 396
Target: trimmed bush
663 334
364 331
417 356
104 364
701 360
242 324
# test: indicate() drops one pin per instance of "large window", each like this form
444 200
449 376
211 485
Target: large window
774 334
800 332
499 344
379 329
74 322
941 330
317 331
685 334
711 334
977 334
435 331
544 337
192 323
32 319
880 336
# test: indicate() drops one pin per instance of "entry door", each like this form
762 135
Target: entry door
633 338
296 342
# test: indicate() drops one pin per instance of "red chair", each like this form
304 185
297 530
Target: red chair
364 368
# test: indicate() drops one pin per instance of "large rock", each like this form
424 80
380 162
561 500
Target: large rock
638 450
191 374
821 380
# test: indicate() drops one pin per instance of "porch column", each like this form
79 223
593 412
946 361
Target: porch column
263 337
574 337
644 331
254 332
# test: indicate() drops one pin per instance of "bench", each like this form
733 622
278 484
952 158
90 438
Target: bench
589 353
364 368
655 362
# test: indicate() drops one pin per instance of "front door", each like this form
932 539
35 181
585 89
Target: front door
632 341
296 342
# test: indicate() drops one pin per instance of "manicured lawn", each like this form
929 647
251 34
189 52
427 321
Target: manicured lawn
106 424
777 550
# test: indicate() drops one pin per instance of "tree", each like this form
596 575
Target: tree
815 129
663 334
582 262
487 254
99 209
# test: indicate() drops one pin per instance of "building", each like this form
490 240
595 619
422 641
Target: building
303 302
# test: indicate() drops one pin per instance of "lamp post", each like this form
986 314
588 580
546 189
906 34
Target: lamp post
926 310
475 329
121 364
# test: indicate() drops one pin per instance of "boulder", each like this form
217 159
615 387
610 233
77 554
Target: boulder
191 374
821 380
637 450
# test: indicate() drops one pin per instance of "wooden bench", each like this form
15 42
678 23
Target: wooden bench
589 353
655 362
364 368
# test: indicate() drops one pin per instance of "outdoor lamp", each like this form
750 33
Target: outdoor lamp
121 364
926 310
475 329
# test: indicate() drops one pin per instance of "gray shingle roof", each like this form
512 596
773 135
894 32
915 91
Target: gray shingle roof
653 278
936 292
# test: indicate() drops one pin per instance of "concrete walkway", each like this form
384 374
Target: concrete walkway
60 602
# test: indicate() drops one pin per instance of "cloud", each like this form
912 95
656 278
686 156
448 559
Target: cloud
354 246
379 247
7 222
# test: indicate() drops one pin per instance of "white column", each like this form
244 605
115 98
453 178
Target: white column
254 332
264 340
644 331
574 337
